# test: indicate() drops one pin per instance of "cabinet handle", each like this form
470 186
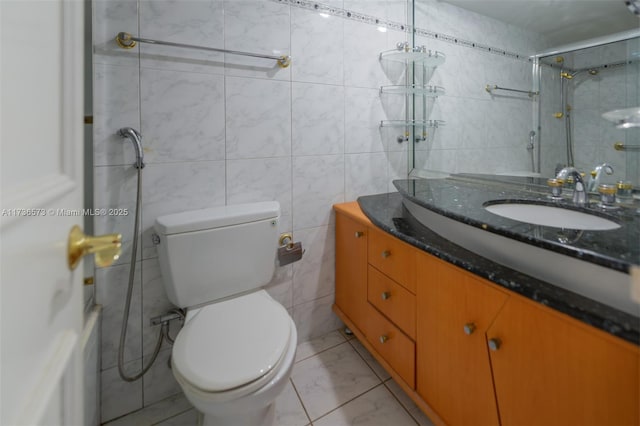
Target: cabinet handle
383 338
385 295
386 254
494 344
469 328
359 234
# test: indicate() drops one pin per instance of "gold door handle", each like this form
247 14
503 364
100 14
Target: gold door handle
107 248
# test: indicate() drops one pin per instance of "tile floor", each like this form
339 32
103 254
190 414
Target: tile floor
335 382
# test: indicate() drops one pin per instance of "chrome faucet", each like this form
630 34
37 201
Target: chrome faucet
580 197
594 181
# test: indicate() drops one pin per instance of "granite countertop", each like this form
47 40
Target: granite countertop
387 212
616 249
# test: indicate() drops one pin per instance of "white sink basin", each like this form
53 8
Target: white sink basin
556 217
588 279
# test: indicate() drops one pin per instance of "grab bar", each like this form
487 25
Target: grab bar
127 41
489 88
619 146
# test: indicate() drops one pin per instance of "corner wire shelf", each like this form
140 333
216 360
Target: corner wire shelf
413 89
127 41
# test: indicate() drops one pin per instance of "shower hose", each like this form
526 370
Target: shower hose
127 306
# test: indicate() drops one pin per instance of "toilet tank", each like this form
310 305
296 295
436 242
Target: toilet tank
213 253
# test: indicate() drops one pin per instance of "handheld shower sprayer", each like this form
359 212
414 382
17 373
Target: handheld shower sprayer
134 136
530 147
136 139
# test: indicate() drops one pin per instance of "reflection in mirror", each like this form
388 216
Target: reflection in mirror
513 131
576 89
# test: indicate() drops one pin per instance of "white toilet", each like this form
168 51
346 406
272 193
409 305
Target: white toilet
234 355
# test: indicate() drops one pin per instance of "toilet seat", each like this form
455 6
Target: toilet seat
237 343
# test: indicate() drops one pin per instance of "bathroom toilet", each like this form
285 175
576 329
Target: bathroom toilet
234 355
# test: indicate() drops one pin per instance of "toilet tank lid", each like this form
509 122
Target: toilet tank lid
216 217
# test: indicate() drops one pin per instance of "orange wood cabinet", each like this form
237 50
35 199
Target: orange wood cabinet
394 301
351 266
393 257
392 344
550 370
455 309
380 309
469 352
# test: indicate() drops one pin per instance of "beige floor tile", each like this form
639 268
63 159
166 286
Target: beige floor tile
154 413
378 407
331 378
368 358
312 347
289 410
408 404
189 418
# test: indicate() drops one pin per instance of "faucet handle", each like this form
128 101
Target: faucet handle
556 188
607 195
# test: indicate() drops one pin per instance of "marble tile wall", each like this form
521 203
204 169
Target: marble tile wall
484 132
224 129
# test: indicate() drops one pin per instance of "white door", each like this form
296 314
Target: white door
41 172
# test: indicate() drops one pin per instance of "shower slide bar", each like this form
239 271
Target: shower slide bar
491 87
619 146
127 41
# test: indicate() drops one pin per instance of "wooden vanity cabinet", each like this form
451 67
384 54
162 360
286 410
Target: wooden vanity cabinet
393 258
455 310
552 370
470 352
379 309
352 232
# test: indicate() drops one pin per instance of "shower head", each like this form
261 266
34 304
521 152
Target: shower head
136 139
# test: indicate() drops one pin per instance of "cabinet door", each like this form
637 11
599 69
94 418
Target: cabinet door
551 370
453 369
351 268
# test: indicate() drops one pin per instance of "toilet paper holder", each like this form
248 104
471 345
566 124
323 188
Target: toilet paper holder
288 250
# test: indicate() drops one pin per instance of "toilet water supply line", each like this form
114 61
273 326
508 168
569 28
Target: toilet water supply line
136 139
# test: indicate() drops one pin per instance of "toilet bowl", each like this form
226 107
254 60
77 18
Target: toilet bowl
233 358
235 353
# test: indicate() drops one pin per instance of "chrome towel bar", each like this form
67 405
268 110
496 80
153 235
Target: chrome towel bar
127 41
491 87
619 146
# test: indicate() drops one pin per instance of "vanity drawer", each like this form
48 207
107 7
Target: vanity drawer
393 257
393 300
392 345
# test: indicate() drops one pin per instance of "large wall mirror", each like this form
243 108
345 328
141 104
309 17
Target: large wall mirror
524 87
